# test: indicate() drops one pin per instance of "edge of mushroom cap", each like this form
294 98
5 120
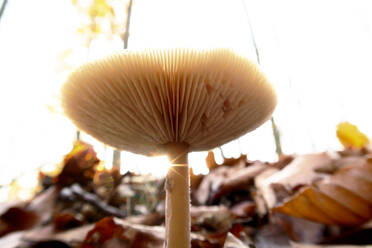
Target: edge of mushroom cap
72 94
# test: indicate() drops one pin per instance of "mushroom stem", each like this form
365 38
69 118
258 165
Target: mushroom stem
177 215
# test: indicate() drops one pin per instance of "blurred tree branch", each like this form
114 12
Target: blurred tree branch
127 24
3 5
274 127
116 161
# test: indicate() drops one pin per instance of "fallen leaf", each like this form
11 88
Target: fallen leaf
301 171
217 219
76 192
17 219
283 161
65 221
244 209
297 245
195 180
238 179
152 219
103 231
235 161
299 229
225 179
262 188
47 233
350 136
271 236
43 204
78 166
49 244
12 240
210 183
211 161
343 198
233 242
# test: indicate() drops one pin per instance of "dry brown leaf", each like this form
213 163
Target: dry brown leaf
343 198
79 165
217 219
114 232
233 242
283 161
17 219
195 180
47 233
299 229
104 230
152 219
226 179
12 240
235 161
260 200
49 244
26 215
44 203
301 171
297 245
238 179
65 221
244 209
211 161
271 236
210 183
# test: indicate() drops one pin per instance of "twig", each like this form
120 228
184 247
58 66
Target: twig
276 134
80 193
116 161
222 154
127 25
116 158
3 8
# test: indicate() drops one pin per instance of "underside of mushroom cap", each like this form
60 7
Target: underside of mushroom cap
142 100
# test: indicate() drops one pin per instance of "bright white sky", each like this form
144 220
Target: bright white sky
317 53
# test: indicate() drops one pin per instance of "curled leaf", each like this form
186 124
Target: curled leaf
343 198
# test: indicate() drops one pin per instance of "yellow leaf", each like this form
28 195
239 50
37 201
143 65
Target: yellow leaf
96 29
99 8
82 30
350 136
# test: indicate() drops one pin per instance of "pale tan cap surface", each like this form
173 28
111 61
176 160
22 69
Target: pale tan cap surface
140 100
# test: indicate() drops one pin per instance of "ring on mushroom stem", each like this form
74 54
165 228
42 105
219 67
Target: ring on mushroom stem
170 102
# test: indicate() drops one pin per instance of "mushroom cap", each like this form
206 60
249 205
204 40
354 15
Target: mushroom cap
140 101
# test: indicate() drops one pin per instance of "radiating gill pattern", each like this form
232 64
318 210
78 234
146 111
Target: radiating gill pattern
140 100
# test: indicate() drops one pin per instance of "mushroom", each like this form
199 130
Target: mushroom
169 101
